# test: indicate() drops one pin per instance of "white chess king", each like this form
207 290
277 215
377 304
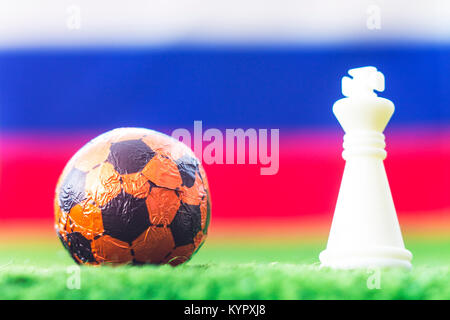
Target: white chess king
365 231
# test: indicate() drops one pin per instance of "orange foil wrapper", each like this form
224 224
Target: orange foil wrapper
132 196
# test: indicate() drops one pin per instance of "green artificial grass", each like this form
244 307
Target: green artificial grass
224 271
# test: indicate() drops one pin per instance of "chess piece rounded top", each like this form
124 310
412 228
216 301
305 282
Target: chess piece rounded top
364 80
362 109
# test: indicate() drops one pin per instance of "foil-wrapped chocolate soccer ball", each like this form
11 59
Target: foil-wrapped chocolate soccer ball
135 196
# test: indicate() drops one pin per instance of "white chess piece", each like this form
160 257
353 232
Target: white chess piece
365 231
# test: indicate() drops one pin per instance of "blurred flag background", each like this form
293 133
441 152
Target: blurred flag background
70 70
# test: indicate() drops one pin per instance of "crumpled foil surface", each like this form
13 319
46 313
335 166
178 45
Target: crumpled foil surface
132 196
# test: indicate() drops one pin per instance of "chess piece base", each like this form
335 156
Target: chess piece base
382 257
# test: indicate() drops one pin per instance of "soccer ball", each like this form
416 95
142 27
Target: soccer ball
132 196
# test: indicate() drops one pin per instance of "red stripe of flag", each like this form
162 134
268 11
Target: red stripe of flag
306 185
